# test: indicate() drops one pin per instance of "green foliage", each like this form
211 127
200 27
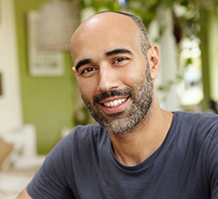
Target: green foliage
112 5
166 87
188 61
147 10
189 24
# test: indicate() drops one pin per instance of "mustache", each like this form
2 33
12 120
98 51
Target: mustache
118 92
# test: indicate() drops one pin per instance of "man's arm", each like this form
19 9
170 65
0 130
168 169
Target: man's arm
24 195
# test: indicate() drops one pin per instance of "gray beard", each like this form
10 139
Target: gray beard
126 120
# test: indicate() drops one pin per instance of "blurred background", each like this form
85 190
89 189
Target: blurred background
39 99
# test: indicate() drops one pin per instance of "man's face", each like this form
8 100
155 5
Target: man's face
122 121
111 72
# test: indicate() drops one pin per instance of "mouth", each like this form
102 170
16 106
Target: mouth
112 106
115 103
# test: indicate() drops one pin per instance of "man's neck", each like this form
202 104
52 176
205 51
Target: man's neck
132 148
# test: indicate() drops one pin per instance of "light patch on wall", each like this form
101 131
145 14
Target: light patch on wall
1 92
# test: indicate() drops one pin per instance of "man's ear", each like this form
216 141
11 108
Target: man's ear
74 70
76 73
154 61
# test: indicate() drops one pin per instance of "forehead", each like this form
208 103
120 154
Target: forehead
103 33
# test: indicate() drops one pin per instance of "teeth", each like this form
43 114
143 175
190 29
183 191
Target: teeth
114 103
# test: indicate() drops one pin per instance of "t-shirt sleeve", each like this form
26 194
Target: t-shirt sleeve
54 178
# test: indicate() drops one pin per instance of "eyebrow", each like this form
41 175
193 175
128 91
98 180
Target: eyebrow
108 54
117 51
82 62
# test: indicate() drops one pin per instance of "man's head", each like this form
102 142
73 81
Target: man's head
142 35
113 58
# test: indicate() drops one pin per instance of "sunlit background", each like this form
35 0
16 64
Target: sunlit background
39 100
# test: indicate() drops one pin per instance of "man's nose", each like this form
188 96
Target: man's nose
108 79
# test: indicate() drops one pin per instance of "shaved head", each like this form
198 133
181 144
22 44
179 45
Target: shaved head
141 34
143 37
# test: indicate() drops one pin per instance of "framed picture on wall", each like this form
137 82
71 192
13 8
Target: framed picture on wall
42 63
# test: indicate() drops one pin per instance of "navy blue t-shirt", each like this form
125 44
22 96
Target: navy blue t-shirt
83 165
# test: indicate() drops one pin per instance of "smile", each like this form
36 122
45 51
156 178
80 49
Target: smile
114 103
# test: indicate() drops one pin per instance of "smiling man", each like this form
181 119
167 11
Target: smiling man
137 150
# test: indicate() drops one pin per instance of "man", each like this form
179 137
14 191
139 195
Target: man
138 151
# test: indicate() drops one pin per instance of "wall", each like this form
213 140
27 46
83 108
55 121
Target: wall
10 101
47 101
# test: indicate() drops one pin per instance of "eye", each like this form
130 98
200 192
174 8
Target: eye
120 59
89 69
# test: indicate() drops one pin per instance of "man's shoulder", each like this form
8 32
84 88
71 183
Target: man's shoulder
80 141
191 117
88 131
91 134
198 125
89 128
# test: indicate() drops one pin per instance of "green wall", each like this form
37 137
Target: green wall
213 52
47 102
